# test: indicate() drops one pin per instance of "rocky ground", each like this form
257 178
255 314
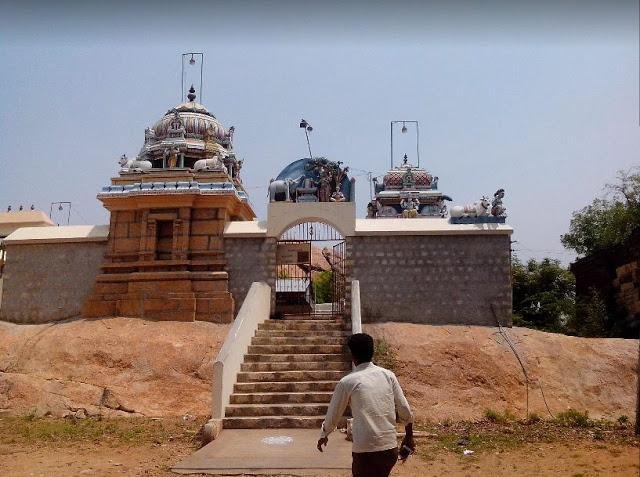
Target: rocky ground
131 367
62 385
109 367
459 372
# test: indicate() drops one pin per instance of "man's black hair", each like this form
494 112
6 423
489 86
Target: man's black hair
361 347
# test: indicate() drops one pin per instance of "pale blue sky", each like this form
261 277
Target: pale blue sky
543 103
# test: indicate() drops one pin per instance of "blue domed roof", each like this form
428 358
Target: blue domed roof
297 171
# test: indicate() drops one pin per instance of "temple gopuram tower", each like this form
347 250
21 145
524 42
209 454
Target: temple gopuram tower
169 206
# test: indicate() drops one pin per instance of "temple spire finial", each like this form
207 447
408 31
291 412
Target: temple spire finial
192 94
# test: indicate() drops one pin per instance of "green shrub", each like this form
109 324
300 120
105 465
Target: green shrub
323 287
573 418
533 418
623 420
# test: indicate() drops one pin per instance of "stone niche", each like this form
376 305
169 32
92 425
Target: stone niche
165 254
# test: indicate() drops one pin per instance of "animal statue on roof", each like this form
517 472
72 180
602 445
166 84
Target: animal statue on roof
497 209
210 164
477 209
283 189
138 164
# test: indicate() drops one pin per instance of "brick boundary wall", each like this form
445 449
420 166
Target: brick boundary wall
58 279
433 279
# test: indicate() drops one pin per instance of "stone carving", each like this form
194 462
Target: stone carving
497 209
149 135
176 127
477 209
481 212
373 208
331 176
211 164
337 196
133 165
408 180
171 156
443 207
283 190
410 206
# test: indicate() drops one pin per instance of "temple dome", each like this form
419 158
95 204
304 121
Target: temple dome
197 119
395 178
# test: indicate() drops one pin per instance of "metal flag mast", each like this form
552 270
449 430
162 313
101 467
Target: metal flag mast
403 131
191 61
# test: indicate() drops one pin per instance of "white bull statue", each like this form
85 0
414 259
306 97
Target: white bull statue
211 164
134 165
283 188
477 209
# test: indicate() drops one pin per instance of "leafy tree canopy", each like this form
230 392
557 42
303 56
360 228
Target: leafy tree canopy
608 220
543 294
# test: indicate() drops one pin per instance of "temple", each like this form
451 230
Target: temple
169 207
407 191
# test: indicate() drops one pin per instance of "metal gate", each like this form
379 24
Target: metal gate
299 252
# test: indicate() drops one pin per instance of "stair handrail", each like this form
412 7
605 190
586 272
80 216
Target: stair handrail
356 317
254 310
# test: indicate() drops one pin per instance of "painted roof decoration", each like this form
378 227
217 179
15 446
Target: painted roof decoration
313 180
408 191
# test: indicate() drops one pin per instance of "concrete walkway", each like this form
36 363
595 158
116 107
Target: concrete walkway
269 452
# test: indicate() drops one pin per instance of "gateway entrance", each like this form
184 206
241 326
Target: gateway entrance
310 271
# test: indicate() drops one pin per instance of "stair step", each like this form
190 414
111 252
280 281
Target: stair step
273 422
323 317
297 366
271 376
285 386
289 358
281 398
297 349
284 332
302 326
298 340
263 410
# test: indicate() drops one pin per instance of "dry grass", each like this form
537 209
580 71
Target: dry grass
132 431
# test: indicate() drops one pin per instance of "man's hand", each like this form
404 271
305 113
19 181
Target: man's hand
322 442
408 439
409 442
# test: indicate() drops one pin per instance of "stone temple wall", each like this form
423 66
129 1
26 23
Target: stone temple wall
58 279
434 279
249 260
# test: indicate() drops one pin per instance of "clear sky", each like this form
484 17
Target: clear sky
541 100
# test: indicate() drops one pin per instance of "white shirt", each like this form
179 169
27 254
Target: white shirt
376 398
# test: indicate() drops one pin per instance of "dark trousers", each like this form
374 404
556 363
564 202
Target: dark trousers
374 464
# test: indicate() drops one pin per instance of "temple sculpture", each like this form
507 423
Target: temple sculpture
169 206
313 180
407 191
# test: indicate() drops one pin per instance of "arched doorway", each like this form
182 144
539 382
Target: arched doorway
310 271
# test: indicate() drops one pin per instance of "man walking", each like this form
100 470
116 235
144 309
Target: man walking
376 399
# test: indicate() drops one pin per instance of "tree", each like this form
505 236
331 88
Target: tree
543 294
608 220
323 287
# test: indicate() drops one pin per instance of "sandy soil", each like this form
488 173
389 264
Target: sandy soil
574 458
458 372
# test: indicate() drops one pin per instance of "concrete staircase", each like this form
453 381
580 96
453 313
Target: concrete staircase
289 373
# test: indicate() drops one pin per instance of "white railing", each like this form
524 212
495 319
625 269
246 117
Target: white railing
356 317
255 310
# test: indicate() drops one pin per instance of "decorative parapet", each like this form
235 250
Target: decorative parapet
179 187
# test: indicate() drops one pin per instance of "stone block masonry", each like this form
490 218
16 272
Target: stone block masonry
249 260
433 279
49 281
